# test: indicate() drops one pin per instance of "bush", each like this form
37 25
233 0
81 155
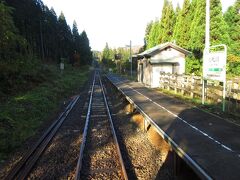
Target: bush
193 65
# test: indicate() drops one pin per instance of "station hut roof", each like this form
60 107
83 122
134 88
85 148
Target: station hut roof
150 52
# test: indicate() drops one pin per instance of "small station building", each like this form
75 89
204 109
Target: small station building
167 57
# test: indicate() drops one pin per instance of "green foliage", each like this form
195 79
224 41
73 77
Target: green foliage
147 33
187 27
218 27
154 33
64 35
161 31
167 22
84 49
10 42
48 37
233 64
20 74
117 59
193 65
22 114
232 18
30 31
181 31
107 56
197 30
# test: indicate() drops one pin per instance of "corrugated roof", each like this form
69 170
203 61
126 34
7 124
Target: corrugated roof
161 47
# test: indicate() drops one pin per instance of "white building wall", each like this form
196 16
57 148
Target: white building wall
151 72
156 76
171 56
181 61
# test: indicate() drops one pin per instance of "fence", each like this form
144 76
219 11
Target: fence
192 86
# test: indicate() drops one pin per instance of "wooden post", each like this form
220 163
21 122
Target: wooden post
192 86
182 86
168 82
160 80
175 87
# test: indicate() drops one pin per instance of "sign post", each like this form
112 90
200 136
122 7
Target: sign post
214 67
62 65
207 44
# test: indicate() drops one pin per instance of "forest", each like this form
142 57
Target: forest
186 27
33 41
31 36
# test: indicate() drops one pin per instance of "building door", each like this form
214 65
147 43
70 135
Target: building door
175 68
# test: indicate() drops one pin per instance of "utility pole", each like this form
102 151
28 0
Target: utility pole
207 36
207 45
131 55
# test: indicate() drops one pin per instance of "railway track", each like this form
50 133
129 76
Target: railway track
27 162
100 156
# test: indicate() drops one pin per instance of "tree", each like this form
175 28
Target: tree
85 49
167 22
106 54
64 36
182 27
197 29
218 27
154 34
8 36
147 33
232 18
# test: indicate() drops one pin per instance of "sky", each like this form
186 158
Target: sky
115 22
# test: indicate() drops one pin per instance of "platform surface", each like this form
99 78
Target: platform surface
212 142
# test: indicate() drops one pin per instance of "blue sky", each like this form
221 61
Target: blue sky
113 21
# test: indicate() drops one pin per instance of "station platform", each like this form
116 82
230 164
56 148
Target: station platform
208 143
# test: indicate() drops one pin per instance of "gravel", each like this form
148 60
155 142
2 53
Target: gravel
143 159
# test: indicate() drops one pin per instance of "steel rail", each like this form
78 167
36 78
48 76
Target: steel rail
114 133
79 164
25 165
192 163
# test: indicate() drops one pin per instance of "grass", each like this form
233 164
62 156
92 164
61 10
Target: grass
22 114
209 106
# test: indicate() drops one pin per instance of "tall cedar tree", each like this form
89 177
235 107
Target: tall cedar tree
232 18
64 36
154 34
147 33
218 27
197 30
9 39
167 22
182 27
85 50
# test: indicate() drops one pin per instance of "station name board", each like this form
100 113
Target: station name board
214 66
